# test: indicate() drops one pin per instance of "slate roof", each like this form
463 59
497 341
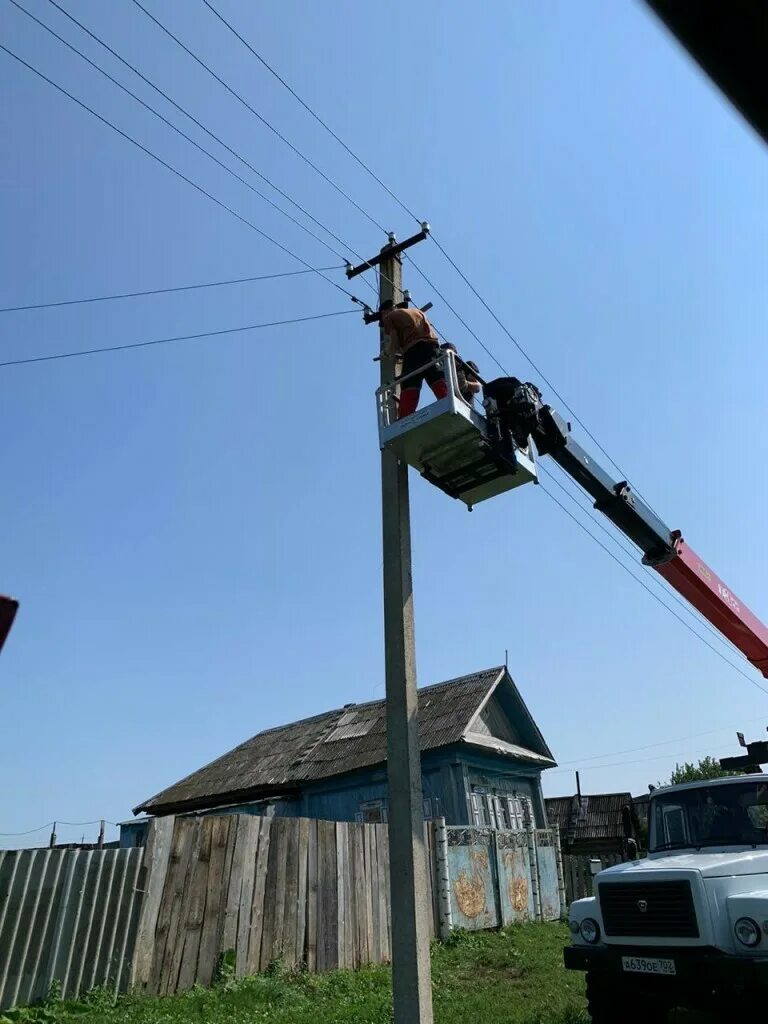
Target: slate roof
279 760
598 817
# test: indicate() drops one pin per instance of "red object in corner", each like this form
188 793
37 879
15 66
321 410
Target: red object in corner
697 583
8 609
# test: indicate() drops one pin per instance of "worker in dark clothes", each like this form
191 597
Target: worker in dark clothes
8 609
469 385
413 338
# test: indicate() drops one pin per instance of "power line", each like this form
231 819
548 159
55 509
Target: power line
653 593
29 831
676 597
170 167
212 135
263 120
51 824
628 764
314 114
179 131
538 370
652 575
166 341
653 746
164 291
455 266
461 320
208 131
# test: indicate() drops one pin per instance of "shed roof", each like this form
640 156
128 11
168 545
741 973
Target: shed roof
341 741
597 817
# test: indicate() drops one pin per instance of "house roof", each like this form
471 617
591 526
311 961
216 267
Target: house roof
597 817
344 740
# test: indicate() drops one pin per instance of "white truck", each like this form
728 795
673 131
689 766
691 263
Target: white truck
688 925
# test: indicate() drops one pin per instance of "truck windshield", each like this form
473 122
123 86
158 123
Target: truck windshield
734 814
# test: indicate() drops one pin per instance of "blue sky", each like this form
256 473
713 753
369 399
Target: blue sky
194 529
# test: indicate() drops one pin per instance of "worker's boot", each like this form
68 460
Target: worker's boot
409 399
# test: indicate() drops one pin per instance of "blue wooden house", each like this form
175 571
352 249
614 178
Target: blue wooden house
482 759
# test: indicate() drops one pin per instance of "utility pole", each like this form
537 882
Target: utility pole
411 970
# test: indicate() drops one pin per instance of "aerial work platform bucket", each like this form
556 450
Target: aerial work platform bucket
449 442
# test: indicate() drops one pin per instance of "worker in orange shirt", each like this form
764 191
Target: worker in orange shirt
412 337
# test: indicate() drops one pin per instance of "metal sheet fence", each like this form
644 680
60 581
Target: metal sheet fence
67 916
501 877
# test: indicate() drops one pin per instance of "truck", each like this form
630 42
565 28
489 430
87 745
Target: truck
687 925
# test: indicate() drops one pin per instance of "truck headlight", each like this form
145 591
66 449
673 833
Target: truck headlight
590 930
747 931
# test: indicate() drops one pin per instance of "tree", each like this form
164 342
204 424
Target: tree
707 768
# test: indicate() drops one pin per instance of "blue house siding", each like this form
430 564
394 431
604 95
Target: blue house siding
449 777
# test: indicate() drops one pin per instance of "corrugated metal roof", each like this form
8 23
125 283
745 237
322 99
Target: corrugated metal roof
330 744
598 817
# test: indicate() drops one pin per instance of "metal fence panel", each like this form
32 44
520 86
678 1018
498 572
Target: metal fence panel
67 916
549 884
514 872
472 872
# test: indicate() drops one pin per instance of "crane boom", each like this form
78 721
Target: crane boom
518 410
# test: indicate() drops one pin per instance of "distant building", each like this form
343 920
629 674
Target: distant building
482 759
594 825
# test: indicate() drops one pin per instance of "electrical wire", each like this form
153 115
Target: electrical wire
170 167
652 592
619 541
458 269
166 341
601 526
538 370
314 114
164 291
628 764
440 247
29 831
209 132
263 120
183 134
653 746
216 138
52 824
457 315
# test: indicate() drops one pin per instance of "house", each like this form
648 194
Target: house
593 825
482 759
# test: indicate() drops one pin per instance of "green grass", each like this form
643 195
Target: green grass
515 976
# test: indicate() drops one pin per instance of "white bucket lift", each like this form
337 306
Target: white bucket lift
449 443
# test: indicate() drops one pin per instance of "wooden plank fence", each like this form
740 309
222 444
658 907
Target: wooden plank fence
580 869
267 889
68 916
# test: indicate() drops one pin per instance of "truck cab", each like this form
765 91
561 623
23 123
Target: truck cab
686 926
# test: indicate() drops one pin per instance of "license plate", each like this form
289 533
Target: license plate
645 965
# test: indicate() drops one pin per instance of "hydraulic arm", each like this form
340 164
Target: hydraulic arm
518 410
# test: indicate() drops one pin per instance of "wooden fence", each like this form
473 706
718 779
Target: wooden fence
68 916
288 889
294 890
580 869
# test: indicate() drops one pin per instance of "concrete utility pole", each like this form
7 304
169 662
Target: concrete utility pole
411 971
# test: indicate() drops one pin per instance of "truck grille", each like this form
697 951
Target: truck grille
663 909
